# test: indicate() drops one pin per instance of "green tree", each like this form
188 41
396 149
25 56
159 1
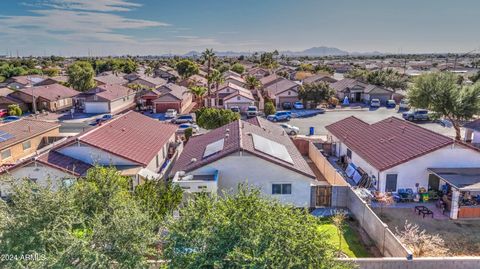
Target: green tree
315 92
245 230
238 68
267 60
51 72
269 108
212 118
199 93
440 93
14 110
209 57
186 68
80 76
324 68
252 82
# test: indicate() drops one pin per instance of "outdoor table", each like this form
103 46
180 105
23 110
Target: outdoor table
420 208
426 211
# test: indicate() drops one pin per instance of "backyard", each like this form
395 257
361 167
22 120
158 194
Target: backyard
461 237
354 242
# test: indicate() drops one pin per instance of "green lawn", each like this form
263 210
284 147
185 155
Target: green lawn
351 243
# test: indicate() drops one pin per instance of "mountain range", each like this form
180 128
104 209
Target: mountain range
314 51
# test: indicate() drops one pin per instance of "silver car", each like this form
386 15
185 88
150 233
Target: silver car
289 129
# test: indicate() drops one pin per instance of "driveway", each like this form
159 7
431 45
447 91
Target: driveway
371 116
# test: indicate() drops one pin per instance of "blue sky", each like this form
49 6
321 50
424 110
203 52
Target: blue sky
116 27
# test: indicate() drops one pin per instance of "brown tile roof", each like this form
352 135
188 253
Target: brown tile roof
270 79
318 77
28 79
389 142
279 87
25 129
239 138
132 136
64 163
177 91
110 92
111 79
157 81
51 92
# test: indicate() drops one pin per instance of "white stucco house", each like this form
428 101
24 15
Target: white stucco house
258 154
138 146
108 98
395 153
229 95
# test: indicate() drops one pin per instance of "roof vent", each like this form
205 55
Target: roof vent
193 160
227 135
123 129
227 130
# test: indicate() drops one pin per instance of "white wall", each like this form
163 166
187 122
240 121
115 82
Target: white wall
122 103
44 175
91 155
235 169
96 107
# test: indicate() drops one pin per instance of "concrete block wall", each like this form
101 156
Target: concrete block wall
418 263
340 196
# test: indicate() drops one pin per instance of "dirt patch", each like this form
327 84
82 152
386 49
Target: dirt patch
366 241
462 237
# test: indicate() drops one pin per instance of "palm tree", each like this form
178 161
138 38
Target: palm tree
217 79
199 92
148 71
252 82
209 56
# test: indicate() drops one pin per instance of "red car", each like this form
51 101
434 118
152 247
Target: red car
3 113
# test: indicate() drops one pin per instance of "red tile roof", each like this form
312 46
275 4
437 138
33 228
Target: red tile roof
25 129
51 92
389 142
109 92
64 163
132 136
238 139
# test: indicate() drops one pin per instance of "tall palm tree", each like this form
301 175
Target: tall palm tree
148 71
217 79
199 92
208 56
252 82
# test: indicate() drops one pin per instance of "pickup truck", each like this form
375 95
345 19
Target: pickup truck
416 115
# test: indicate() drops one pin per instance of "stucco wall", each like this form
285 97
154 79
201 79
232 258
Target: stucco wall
122 103
235 169
93 155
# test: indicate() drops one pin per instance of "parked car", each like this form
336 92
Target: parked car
375 103
404 105
391 104
298 105
280 116
416 115
10 118
103 118
171 113
182 127
3 113
287 105
235 109
252 111
289 129
183 119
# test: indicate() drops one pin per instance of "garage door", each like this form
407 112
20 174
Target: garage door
162 107
242 106
96 107
382 97
282 100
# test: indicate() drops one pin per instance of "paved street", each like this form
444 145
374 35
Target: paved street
320 121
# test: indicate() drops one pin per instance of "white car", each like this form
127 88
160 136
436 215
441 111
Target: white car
298 105
171 113
289 129
404 105
184 126
375 103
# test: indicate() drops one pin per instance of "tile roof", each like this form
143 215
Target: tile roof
111 79
266 81
279 87
51 92
239 139
24 129
177 91
28 79
110 92
132 136
347 83
317 77
157 81
389 142
63 162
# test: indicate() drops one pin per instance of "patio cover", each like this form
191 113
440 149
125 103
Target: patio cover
463 179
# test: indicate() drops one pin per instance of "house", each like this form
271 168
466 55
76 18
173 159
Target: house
235 80
138 146
270 79
230 94
358 91
319 78
230 73
258 72
21 138
167 73
472 132
396 154
7 100
242 152
148 82
111 79
194 80
53 97
171 96
106 98
282 91
21 82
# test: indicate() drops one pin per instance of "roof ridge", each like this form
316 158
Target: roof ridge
101 126
413 125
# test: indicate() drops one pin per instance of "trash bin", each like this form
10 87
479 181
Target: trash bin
424 197
312 131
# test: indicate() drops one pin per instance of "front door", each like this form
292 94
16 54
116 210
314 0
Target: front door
433 182
323 196
358 96
391 183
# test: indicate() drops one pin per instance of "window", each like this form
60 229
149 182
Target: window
6 154
349 153
281 188
391 183
26 145
238 97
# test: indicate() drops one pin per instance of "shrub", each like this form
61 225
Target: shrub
14 110
269 108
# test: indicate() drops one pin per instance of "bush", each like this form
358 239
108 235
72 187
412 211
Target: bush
14 110
212 118
188 133
269 108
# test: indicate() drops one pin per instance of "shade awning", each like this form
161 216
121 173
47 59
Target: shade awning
463 179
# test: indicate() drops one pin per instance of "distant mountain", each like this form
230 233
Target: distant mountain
314 51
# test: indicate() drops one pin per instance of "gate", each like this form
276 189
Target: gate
323 196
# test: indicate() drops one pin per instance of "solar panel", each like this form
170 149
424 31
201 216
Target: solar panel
213 148
271 148
4 136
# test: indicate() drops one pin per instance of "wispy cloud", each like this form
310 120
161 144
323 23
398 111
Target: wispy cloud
90 5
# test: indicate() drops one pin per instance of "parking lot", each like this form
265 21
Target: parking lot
371 116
